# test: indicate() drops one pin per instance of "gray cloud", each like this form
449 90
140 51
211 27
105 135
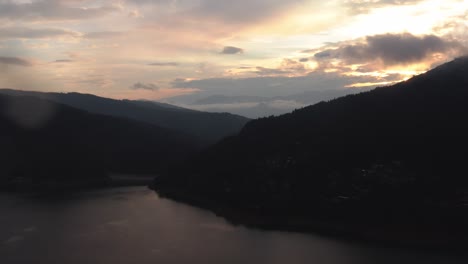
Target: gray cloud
293 66
15 61
262 71
322 54
94 80
63 61
163 64
232 50
275 85
227 12
454 28
308 51
392 49
144 86
287 66
52 10
103 34
98 82
32 33
256 106
240 11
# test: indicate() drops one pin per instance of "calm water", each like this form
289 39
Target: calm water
133 225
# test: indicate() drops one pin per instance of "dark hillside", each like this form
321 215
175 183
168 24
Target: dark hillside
205 128
392 149
42 139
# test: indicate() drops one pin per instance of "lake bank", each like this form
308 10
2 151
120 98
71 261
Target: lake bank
441 238
133 225
24 184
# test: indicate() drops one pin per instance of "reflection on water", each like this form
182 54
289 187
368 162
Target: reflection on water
132 225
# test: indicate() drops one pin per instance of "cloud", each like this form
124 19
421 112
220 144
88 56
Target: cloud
84 80
455 27
96 82
103 34
392 49
63 61
322 54
240 12
276 85
15 61
292 66
35 33
255 107
364 6
287 67
144 86
263 71
135 14
308 51
232 50
44 10
163 64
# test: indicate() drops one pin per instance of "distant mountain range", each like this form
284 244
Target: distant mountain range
206 128
308 97
257 106
390 154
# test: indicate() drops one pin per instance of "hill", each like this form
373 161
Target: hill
256 106
42 140
206 128
392 157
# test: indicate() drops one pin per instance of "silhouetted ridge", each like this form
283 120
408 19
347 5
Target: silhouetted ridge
392 149
42 139
206 128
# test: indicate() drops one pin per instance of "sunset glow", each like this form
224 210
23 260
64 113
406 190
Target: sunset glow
173 48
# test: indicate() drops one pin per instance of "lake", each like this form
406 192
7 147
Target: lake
134 225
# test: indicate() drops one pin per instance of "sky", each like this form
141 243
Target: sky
191 49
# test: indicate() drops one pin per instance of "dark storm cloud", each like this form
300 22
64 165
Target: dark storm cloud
232 50
52 10
392 49
144 86
15 61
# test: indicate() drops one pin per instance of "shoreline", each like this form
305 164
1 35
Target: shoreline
365 233
57 186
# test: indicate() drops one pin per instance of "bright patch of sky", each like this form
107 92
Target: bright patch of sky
178 47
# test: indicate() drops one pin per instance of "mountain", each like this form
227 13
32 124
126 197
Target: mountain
395 155
223 99
256 106
207 128
308 97
41 139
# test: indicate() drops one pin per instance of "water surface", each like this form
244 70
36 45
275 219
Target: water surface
133 225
